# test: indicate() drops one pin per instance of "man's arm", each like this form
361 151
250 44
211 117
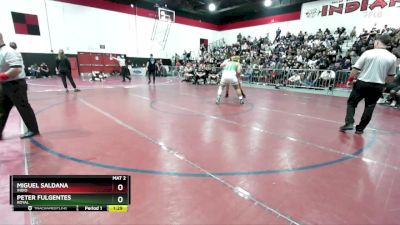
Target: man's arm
391 73
57 64
239 70
11 73
389 79
358 66
353 76
224 63
15 64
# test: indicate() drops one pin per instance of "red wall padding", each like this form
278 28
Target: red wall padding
93 61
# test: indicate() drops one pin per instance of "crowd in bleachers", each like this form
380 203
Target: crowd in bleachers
322 50
290 58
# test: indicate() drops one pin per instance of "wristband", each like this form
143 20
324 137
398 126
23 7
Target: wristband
4 76
351 79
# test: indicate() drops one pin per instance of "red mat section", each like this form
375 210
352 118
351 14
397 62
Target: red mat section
12 161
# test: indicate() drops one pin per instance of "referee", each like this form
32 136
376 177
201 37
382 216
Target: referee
368 77
124 69
13 91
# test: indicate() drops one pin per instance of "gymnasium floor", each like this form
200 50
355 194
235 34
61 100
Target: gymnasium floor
278 159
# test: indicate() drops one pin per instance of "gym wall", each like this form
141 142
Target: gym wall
80 28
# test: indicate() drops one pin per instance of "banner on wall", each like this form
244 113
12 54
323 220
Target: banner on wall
25 23
331 8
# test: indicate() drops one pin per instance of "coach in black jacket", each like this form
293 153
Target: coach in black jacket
63 67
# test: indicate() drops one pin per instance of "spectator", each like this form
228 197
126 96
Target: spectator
44 70
34 71
346 65
321 50
161 69
278 34
394 91
353 33
188 72
353 57
200 73
214 76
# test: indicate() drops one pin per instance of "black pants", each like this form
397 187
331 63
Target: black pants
196 78
152 72
125 73
64 76
371 92
44 74
14 93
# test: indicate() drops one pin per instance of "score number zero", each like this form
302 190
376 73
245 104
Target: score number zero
120 187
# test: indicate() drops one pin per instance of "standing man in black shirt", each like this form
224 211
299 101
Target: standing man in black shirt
152 67
13 90
63 67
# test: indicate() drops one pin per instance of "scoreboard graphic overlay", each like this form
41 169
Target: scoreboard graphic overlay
70 193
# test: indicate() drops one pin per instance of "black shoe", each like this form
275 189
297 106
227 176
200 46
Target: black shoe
346 127
226 95
359 132
29 134
77 90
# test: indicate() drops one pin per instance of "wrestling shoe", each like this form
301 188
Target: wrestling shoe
241 101
218 100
